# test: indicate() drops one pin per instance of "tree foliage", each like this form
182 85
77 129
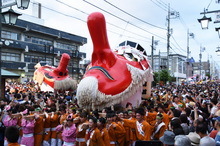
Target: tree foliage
164 77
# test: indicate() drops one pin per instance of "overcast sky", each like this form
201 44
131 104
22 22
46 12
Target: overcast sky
148 11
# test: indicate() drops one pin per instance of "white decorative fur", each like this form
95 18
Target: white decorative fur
66 84
88 94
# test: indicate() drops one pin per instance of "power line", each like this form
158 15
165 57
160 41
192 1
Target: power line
106 22
178 44
108 30
123 19
159 5
166 5
134 16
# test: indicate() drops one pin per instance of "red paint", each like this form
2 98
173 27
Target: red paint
103 56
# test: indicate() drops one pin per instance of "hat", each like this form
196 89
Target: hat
25 111
168 138
37 109
8 108
70 117
217 118
194 138
191 104
180 105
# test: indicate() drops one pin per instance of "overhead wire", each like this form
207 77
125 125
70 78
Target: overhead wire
106 22
133 15
159 6
123 19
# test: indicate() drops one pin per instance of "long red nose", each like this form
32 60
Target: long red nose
61 69
102 53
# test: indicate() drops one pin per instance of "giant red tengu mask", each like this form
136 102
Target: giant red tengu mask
51 78
111 78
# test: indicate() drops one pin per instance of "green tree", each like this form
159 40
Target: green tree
164 77
208 75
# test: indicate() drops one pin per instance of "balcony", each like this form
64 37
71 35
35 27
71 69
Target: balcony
13 65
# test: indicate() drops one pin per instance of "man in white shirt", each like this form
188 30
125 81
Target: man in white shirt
201 130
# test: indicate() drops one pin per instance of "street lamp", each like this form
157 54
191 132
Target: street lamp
22 4
205 22
218 30
10 17
218 51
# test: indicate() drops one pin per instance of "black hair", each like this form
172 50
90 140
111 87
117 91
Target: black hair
183 118
96 113
214 101
93 119
160 106
188 111
12 134
201 127
140 111
102 120
176 113
84 115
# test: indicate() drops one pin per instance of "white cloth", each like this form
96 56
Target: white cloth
59 142
5 142
207 141
53 142
46 143
139 128
213 110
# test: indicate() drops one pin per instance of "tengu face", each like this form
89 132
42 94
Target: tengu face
56 78
111 77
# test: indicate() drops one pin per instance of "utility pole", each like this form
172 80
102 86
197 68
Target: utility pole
168 37
200 61
159 68
152 53
177 71
187 75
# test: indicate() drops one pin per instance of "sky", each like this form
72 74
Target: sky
132 23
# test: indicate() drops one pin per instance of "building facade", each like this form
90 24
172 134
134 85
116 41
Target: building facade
177 65
26 43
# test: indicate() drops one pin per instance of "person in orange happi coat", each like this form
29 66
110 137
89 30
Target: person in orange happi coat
142 128
81 130
12 135
47 130
114 129
131 116
166 119
127 129
159 127
38 127
63 117
104 133
54 123
93 135
122 133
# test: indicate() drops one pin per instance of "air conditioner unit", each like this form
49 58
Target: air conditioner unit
26 49
58 54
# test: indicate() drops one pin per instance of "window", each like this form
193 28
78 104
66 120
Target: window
184 68
38 40
65 46
33 59
10 35
10 56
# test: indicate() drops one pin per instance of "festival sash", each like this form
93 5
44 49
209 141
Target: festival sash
158 128
139 128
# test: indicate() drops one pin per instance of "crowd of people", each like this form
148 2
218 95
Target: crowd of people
183 115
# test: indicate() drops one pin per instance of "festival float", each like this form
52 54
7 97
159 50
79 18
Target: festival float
56 79
113 77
